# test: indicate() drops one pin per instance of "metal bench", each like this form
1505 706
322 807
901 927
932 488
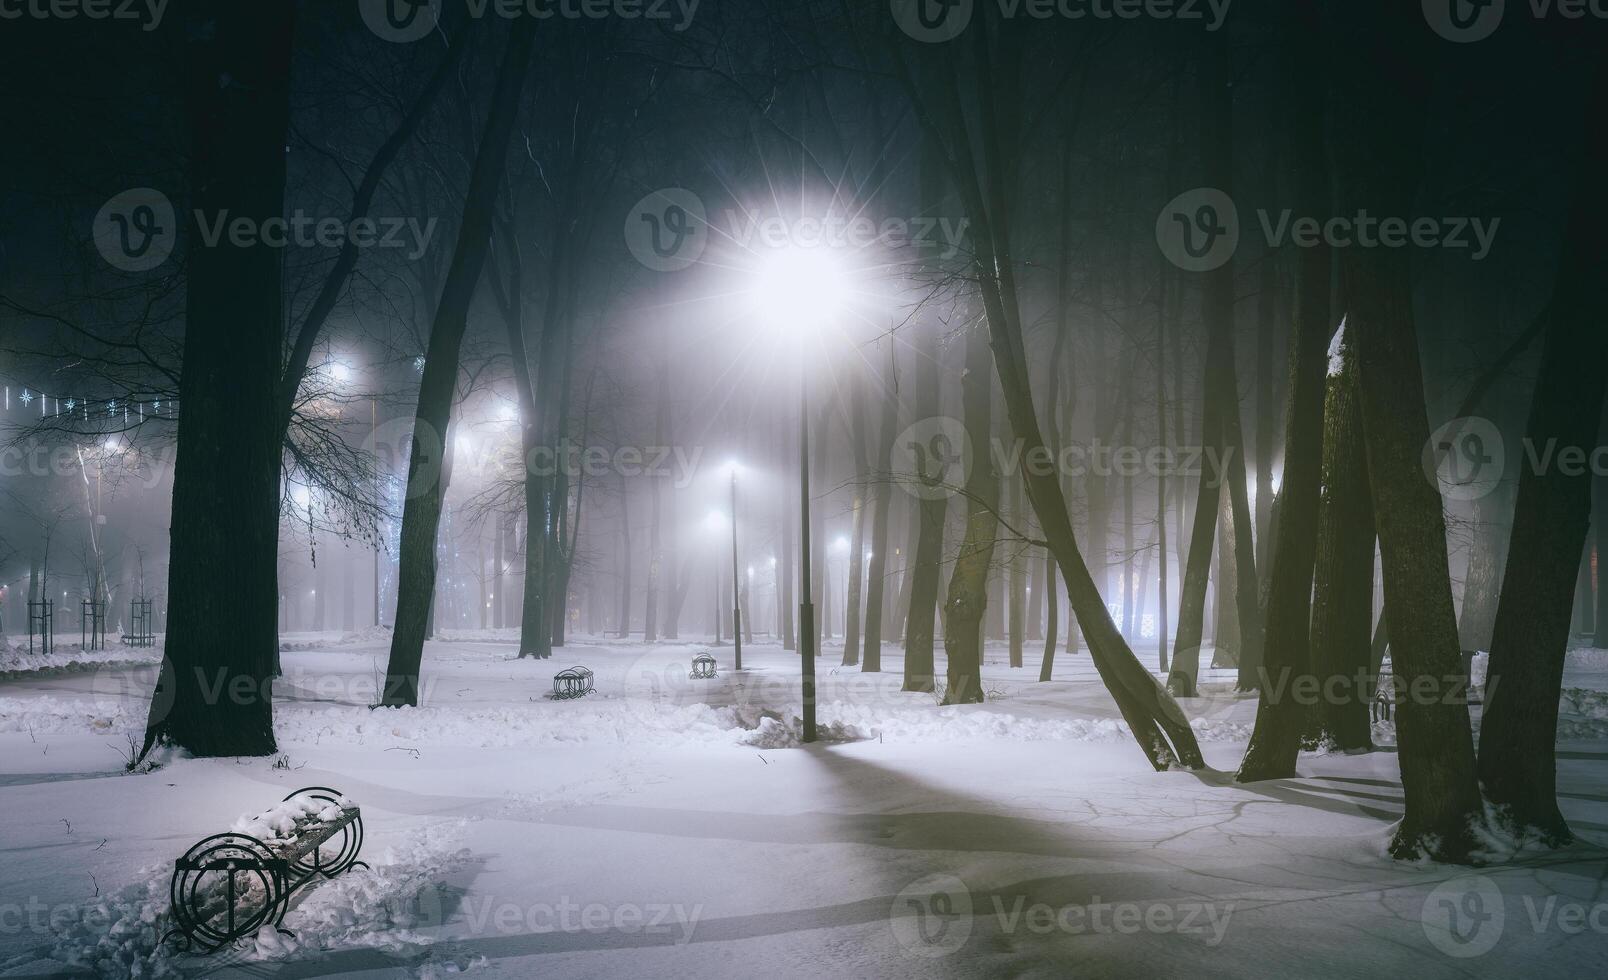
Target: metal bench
572 682
1383 700
228 886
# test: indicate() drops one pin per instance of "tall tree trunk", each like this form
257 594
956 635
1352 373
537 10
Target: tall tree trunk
1600 522
650 622
876 605
1517 762
1380 56
1585 598
1197 568
855 573
421 513
784 570
1018 579
1482 584
854 569
931 511
224 533
967 599
625 563
1342 594
1283 657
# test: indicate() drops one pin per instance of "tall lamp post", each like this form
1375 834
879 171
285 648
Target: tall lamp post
736 600
806 606
800 290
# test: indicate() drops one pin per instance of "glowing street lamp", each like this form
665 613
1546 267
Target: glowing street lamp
801 291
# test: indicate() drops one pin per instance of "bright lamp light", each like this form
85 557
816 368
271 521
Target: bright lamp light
799 289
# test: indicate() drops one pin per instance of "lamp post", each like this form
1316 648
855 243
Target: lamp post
800 290
374 435
736 602
806 606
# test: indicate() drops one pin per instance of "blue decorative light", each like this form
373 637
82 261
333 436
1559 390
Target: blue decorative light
27 396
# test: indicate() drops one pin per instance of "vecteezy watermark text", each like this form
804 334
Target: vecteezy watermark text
933 458
136 231
404 21
1200 230
936 21
934 917
148 12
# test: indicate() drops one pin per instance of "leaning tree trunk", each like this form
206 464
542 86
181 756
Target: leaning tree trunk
967 600
1154 719
1342 594
223 575
1376 132
1282 659
1517 758
421 513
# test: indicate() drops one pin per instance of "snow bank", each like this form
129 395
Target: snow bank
16 663
368 635
1579 659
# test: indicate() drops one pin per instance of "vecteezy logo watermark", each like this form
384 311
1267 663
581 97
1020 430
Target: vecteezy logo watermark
148 12
1465 458
932 916
1464 21
1463 917
932 458
1467 21
932 21
936 21
402 21
408 450
135 231
668 229
1199 230
1466 916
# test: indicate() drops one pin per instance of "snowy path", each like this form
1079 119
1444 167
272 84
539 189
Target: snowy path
642 832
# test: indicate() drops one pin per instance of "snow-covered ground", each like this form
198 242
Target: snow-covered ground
666 826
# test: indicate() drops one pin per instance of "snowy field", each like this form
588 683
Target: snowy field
668 827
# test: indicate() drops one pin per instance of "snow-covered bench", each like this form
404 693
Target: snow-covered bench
228 886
